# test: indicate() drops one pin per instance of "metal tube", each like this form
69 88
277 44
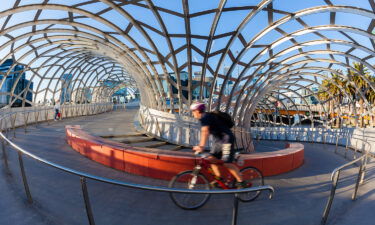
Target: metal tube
337 141
354 196
46 116
364 169
235 210
7 129
330 199
24 179
13 121
346 146
5 157
36 118
87 201
25 119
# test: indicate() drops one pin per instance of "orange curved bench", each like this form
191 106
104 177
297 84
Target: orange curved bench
164 164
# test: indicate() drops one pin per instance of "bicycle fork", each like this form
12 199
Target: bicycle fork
194 178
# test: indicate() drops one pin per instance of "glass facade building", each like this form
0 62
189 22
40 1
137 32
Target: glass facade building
9 74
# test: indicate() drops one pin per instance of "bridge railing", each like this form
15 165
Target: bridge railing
343 137
22 117
335 179
86 176
348 137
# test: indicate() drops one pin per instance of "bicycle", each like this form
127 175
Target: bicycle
202 176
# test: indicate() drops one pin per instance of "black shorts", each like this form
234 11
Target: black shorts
223 149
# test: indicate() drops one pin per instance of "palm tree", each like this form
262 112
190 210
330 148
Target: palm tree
332 91
360 83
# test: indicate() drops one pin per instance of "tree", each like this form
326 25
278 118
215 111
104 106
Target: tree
332 91
358 76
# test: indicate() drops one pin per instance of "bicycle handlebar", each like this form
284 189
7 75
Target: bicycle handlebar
201 154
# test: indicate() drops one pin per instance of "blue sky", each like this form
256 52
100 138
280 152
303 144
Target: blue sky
201 26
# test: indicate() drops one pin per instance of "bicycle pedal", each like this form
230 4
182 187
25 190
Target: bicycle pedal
243 184
214 184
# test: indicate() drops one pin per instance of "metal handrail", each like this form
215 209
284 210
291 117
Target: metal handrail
121 183
45 108
335 175
338 169
366 149
83 176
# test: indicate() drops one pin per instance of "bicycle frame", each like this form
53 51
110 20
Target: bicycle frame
205 165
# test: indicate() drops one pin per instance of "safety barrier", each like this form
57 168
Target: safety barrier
182 130
355 138
348 138
338 138
164 164
84 176
16 117
335 179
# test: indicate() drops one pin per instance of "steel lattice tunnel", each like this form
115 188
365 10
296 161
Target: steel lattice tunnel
254 59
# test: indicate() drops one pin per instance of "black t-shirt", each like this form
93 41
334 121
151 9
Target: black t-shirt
216 126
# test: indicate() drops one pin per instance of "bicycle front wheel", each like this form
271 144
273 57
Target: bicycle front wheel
253 178
188 180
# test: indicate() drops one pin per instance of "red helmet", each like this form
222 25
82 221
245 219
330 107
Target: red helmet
201 107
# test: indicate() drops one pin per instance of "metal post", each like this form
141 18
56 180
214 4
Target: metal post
330 199
36 118
297 135
5 157
87 201
24 179
46 116
7 129
25 119
364 169
235 209
337 141
354 196
13 121
346 146
286 134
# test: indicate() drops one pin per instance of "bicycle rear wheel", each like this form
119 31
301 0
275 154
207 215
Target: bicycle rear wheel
253 178
188 180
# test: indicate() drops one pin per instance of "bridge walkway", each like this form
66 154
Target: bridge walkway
300 196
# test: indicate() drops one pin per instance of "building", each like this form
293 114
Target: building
82 95
184 76
229 84
66 88
120 95
11 75
196 82
195 85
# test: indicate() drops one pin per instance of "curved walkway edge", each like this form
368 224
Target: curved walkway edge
164 164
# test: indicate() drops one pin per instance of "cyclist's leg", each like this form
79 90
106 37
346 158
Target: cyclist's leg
216 154
228 162
215 158
233 169
216 170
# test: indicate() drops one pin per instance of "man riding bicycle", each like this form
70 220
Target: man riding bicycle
223 144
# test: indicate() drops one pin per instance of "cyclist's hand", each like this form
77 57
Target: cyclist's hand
198 149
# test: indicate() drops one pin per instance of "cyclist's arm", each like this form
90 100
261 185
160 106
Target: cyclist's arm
205 132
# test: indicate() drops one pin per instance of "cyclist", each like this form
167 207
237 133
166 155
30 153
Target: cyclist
223 144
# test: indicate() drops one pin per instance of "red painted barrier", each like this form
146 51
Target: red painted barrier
164 164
